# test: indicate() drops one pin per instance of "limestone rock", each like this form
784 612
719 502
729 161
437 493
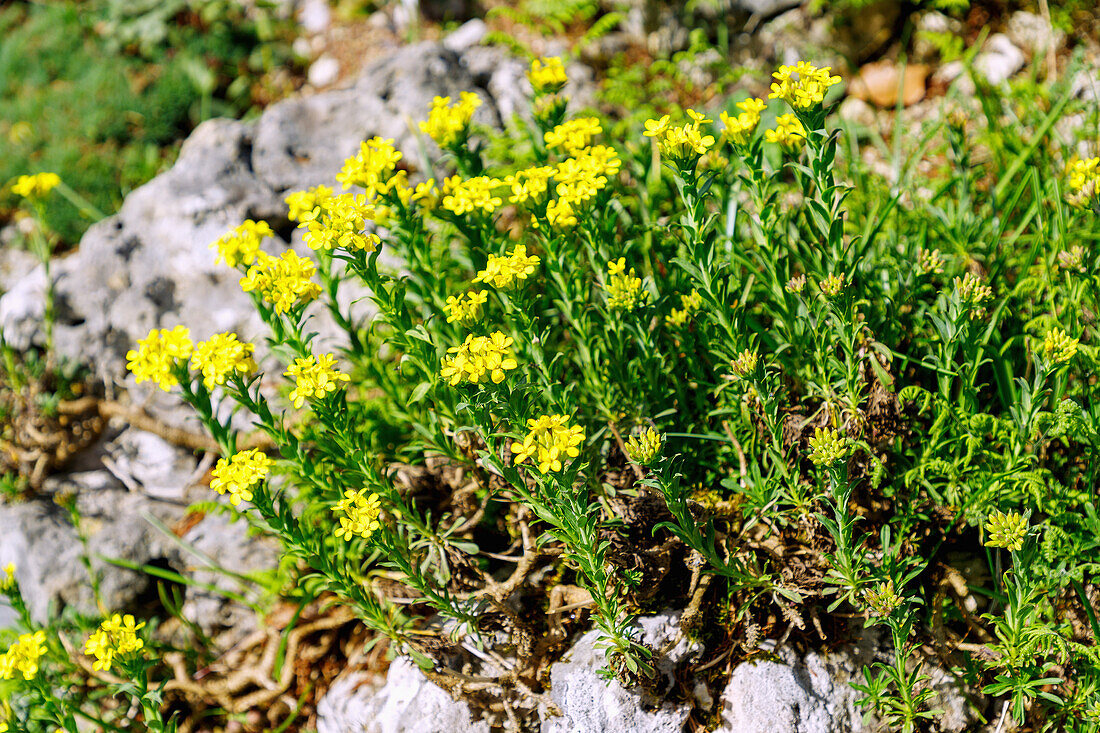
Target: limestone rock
1034 33
999 59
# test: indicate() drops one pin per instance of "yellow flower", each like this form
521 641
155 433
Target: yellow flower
745 363
358 514
827 447
882 600
115 636
624 290
560 214
796 284
8 580
448 125
371 167
805 91
479 357
972 294
656 128
699 119
692 302
466 308
547 75
314 376
1007 530
930 261
22 656
644 448
550 440
157 354
739 129
573 135
676 317
239 473
303 202
509 271
339 222
241 244
282 281
832 285
1058 347
473 193
221 356
685 144
35 186
788 133
529 184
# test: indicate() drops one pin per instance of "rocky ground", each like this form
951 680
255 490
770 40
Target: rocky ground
150 266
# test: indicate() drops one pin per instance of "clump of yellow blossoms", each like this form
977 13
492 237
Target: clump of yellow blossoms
973 293
371 167
581 177
788 133
691 302
529 184
796 284
745 363
624 290
1007 530
684 144
339 221
447 124
560 214
547 75
549 440
462 197
222 356
509 271
157 354
239 473
573 135
282 281
35 186
314 376
358 514
22 657
807 89
241 244
1058 347
303 202
1083 180
739 129
832 285
644 448
930 261
466 308
479 357
882 600
827 447
7 580
115 636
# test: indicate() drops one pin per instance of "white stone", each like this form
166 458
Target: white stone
999 60
466 36
1033 33
323 71
315 16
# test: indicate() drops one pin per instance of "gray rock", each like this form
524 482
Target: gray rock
324 71
929 23
15 264
765 8
466 36
407 703
812 693
999 59
1034 33
315 16
857 112
8 616
591 704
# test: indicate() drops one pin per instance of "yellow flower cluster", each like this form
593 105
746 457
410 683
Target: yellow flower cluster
560 214
807 89
303 202
882 600
1058 347
340 221
745 363
424 193
529 184
973 293
7 581
827 447
1082 180
371 167
314 376
573 135
461 197
549 440
157 354
547 75
282 281
509 271
35 186
22 656
479 357
239 473
832 285
466 308
930 261
358 514
1007 530
579 178
644 448
222 356
788 133
684 144
241 244
739 129
691 302
115 636
624 290
447 124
